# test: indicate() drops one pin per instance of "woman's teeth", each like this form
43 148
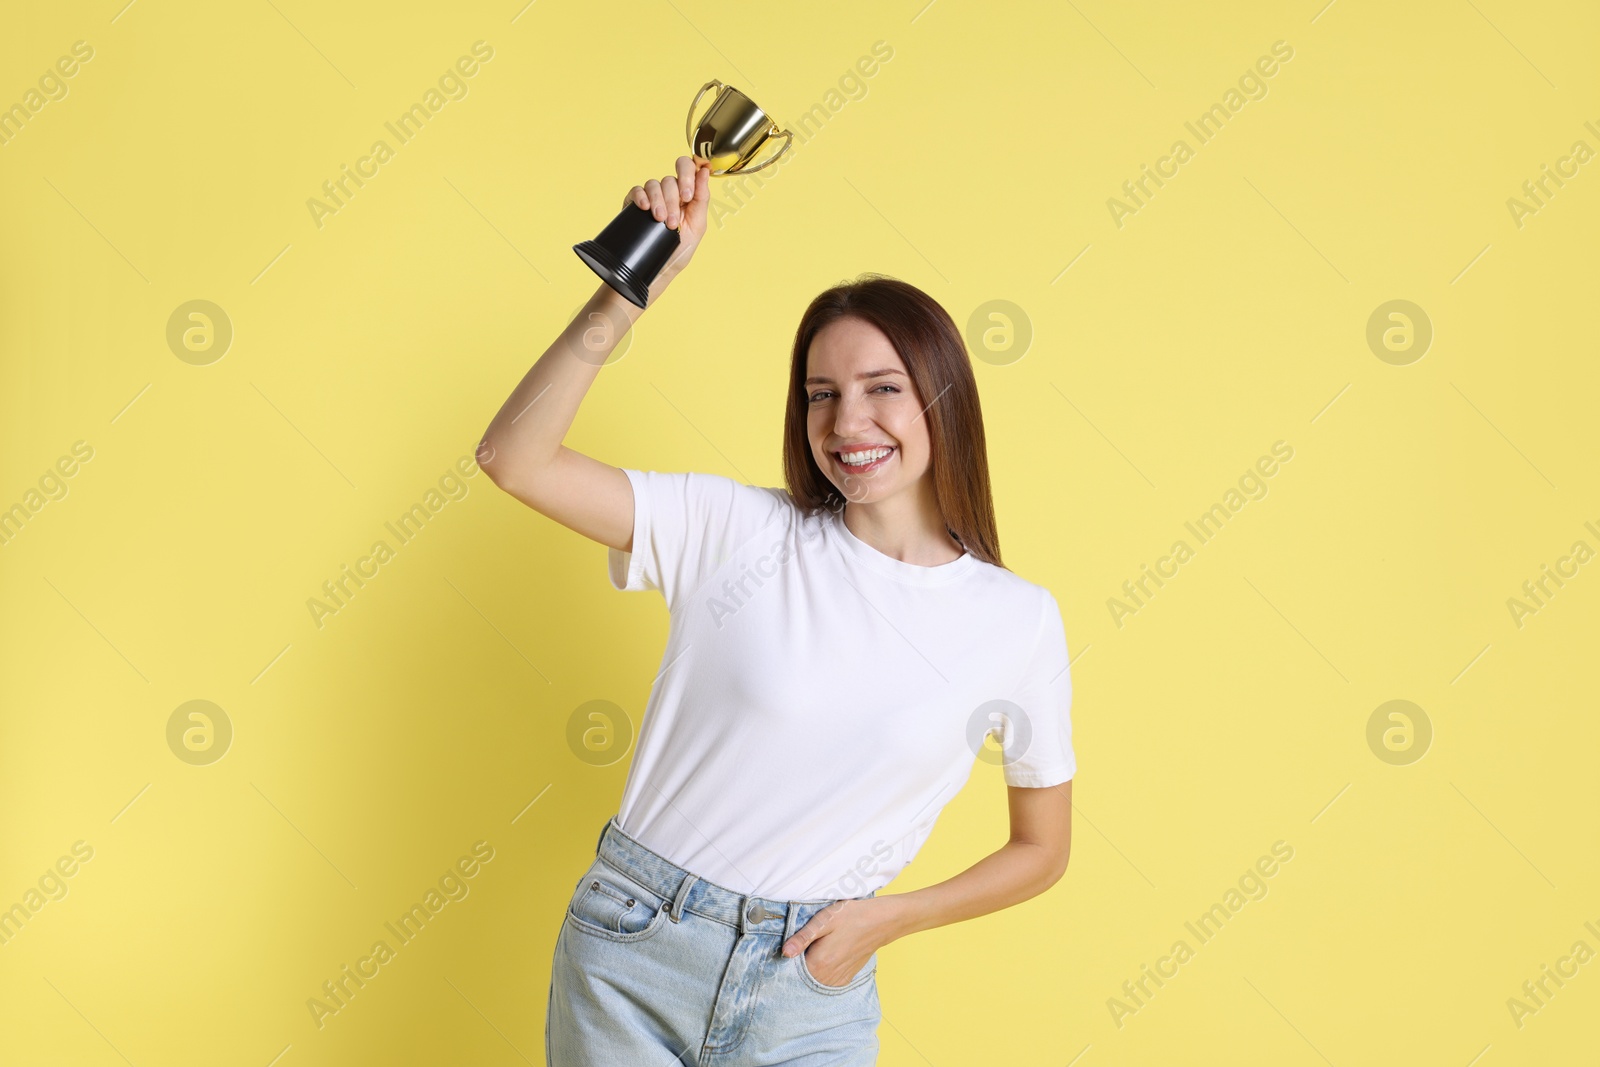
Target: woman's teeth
863 459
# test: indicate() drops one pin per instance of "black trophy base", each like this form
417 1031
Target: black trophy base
630 252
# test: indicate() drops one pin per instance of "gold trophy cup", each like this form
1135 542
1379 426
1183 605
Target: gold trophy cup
632 249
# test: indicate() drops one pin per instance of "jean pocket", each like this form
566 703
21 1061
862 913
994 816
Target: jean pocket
862 977
612 905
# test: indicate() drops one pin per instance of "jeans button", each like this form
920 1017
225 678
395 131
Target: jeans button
756 913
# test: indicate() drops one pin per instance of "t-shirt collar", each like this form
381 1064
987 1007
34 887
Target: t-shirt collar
912 573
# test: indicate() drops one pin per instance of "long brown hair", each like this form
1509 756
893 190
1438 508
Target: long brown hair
935 356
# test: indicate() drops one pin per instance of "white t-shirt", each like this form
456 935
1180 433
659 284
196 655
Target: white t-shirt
819 702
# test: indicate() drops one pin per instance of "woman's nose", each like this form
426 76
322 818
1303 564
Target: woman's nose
850 417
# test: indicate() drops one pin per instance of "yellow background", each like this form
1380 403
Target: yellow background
368 356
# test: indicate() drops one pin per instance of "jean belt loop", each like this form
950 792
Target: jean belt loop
675 909
792 923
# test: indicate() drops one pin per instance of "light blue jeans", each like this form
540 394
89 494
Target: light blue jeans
657 966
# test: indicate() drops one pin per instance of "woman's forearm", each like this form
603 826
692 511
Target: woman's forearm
1018 871
527 432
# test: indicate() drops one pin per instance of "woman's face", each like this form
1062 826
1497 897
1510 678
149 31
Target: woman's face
861 400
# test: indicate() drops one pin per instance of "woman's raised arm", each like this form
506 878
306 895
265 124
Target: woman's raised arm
522 450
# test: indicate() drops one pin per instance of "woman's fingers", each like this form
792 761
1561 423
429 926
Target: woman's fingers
658 201
672 200
676 199
686 178
696 208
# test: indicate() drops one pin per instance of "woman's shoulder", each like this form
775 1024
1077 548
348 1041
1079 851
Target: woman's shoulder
724 501
706 485
1026 597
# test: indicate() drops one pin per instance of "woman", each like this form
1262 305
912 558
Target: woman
836 655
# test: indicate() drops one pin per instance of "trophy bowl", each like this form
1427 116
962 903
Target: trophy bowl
632 249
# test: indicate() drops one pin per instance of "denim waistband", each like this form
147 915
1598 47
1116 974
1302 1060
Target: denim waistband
684 890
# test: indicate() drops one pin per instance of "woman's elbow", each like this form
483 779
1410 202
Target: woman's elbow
1056 864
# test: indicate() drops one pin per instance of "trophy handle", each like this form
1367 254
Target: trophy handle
688 123
770 160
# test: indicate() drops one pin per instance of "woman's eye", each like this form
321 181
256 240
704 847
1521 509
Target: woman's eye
825 394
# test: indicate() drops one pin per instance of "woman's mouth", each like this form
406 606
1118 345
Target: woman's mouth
860 461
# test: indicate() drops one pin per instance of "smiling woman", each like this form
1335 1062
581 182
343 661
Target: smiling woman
849 345
862 634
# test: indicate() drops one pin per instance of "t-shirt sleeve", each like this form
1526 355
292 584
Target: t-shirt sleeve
1037 747
685 526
